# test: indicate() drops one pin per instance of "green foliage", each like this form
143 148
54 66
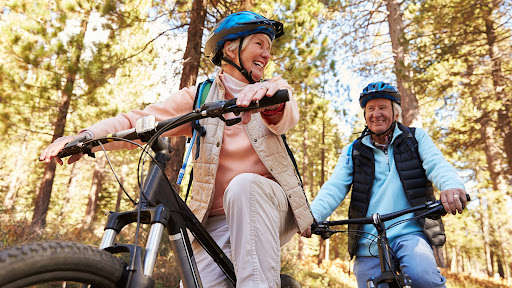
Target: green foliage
453 76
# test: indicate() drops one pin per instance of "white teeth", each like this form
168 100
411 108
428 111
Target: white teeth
259 64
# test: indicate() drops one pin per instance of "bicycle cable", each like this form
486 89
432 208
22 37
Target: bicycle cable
112 167
141 192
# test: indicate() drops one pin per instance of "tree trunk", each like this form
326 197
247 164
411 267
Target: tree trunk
501 258
15 179
120 191
498 81
460 262
485 234
300 248
304 162
492 153
500 264
305 155
323 244
410 110
453 260
192 59
246 5
321 251
336 251
45 189
94 192
75 169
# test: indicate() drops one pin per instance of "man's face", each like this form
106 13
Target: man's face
379 114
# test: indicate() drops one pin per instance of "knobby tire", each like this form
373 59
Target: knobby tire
44 262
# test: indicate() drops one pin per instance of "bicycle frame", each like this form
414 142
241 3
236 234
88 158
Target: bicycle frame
160 205
163 208
390 270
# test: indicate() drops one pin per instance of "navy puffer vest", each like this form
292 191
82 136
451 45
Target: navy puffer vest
418 189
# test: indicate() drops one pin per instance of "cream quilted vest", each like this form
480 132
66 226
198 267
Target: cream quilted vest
268 146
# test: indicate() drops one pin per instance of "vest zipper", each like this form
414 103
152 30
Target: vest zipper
387 159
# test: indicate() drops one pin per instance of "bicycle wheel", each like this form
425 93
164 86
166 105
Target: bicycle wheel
287 281
49 262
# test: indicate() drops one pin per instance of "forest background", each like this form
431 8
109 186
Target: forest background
65 64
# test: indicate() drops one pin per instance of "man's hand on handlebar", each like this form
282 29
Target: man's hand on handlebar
255 92
453 200
54 148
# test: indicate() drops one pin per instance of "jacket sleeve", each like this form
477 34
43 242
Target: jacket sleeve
290 113
335 188
438 171
176 104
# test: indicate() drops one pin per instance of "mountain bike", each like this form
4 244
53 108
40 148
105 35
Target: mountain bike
389 264
159 206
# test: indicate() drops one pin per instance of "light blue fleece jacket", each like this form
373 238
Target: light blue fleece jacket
387 191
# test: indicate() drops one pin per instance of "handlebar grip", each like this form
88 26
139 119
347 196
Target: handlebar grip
281 96
74 147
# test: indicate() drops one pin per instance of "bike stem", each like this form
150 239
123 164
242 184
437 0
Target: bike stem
384 254
387 266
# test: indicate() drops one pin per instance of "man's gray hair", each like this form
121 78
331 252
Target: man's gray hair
398 111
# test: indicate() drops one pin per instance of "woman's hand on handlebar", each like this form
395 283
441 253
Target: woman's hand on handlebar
255 92
306 233
54 148
453 200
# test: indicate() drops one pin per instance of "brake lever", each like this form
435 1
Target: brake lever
436 210
322 229
219 108
79 145
213 109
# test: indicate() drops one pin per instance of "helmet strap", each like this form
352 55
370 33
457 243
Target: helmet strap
240 68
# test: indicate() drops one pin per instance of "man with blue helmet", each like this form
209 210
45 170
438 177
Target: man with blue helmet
245 190
391 167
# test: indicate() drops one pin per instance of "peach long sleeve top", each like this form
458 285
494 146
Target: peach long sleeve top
237 154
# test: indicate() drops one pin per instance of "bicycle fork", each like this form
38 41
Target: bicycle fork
389 274
145 260
142 262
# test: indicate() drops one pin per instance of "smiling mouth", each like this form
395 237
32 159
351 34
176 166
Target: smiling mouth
259 64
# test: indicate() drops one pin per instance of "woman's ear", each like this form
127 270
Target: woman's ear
229 53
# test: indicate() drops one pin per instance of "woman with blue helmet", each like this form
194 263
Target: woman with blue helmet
245 189
391 167
236 27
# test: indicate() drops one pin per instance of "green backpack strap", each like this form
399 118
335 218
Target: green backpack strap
202 93
207 85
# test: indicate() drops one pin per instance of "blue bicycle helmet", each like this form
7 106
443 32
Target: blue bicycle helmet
379 90
239 25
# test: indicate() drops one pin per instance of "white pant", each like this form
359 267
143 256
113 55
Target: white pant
257 223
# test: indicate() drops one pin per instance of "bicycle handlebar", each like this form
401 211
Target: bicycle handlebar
213 109
434 209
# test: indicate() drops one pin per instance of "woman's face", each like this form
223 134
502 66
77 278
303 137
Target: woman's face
255 56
